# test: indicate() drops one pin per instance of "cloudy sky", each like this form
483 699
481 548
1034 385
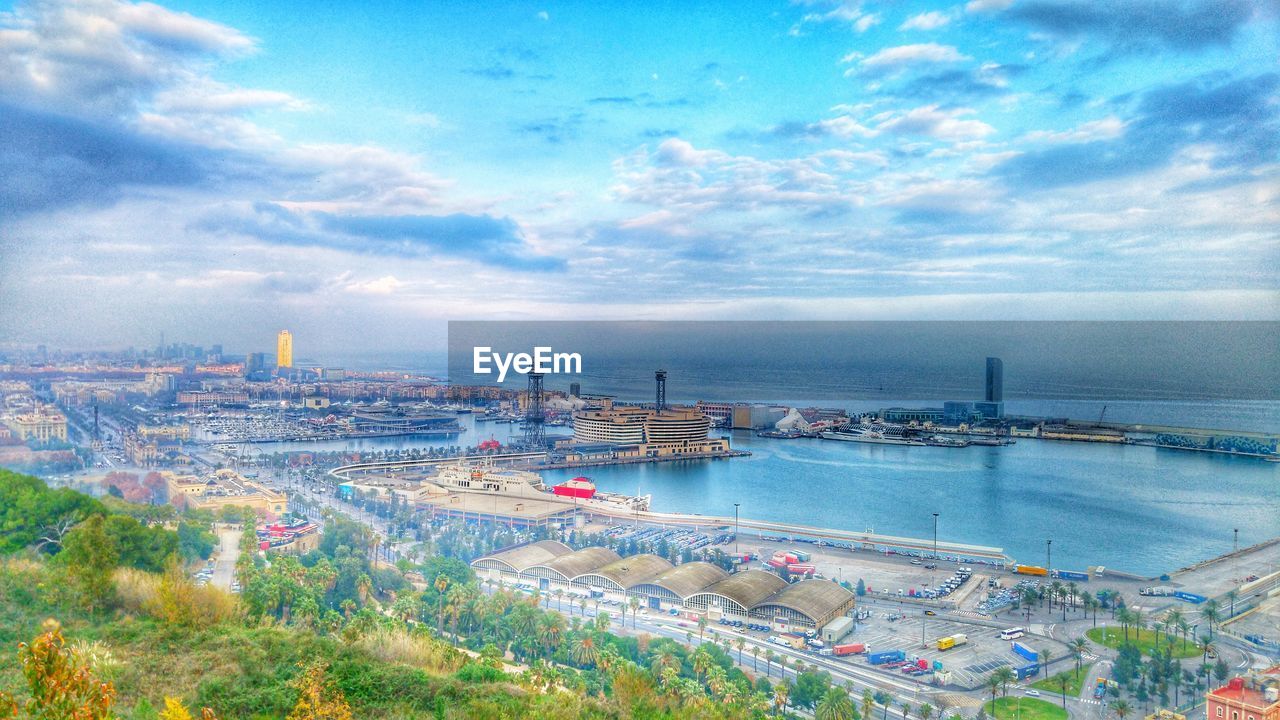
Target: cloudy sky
362 173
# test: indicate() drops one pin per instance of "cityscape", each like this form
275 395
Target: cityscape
824 359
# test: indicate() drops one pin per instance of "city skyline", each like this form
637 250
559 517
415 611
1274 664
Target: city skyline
222 169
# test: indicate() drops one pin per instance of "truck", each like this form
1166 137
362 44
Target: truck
1189 597
951 641
886 656
836 630
849 649
1027 671
801 569
1072 575
1025 651
1030 570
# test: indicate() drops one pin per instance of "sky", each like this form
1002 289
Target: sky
363 172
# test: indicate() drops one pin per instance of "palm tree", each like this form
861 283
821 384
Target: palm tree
702 627
993 682
635 608
868 704
1120 708
768 662
755 658
834 705
740 643
925 712
781 692
905 708
1078 648
1005 675
585 652
1211 614
1046 655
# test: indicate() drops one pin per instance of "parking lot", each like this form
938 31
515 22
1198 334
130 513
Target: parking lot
969 663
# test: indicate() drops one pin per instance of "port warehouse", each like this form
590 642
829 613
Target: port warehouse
696 587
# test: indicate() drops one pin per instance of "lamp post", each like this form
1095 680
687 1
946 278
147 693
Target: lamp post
735 530
1048 555
935 536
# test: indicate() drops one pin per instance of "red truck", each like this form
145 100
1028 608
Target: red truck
849 649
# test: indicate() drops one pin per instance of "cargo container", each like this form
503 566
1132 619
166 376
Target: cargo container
801 569
1025 651
951 641
850 649
1190 597
1072 575
802 556
777 563
1030 570
886 656
1027 671
922 664
836 630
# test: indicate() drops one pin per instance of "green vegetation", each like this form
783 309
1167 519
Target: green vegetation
1023 708
1075 681
328 635
1147 641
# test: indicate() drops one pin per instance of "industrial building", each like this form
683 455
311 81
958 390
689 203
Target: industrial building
696 587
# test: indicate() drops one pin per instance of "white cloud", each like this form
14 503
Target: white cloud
941 124
981 6
544 15
896 58
385 285
866 22
931 20
1106 128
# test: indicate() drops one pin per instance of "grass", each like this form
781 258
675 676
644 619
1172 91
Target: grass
1024 708
1145 640
1075 680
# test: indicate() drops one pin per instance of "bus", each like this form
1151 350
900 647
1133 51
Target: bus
1012 633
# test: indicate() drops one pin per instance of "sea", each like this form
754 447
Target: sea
1134 508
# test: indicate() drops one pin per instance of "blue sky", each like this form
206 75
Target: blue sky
221 169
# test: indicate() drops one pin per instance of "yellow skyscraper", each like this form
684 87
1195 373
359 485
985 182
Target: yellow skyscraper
284 349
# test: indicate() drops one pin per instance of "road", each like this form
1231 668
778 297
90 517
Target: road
224 572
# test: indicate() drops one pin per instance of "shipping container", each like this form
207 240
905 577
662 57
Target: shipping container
802 556
801 569
1025 652
886 656
1027 671
1072 575
850 649
951 641
1030 570
778 563
1190 597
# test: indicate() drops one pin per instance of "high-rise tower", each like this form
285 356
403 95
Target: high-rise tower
284 349
660 394
995 380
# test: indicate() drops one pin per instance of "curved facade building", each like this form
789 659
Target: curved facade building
635 425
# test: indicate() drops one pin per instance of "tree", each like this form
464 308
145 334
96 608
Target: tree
1046 655
318 697
834 705
925 712
60 683
1121 708
90 557
584 652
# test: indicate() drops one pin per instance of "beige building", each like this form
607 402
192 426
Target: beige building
224 488
41 425
638 432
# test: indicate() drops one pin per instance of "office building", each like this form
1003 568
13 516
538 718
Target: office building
284 349
995 380
575 389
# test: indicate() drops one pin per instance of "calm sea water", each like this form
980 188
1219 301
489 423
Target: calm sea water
1133 508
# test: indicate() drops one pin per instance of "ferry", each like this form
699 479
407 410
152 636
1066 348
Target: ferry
878 435
486 478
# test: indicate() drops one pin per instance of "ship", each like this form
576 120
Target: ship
876 434
489 479
943 441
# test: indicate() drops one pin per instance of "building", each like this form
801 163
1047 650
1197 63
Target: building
1254 697
757 417
255 363
911 415
575 389
638 432
224 488
284 349
210 398
42 425
696 588
995 380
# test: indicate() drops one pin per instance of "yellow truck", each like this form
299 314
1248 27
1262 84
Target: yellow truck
951 641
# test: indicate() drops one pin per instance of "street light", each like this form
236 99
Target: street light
735 530
935 536
1048 555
